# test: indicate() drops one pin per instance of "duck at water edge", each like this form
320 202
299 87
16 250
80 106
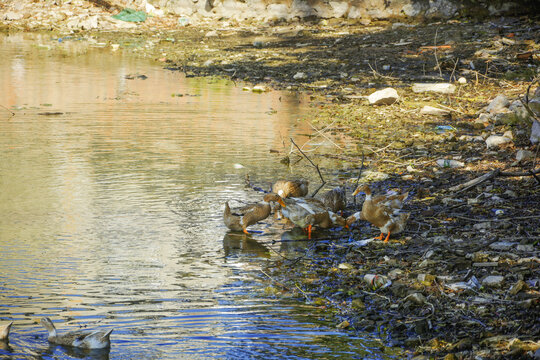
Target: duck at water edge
250 214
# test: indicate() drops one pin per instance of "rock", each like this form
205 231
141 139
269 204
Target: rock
259 89
386 96
299 76
524 155
517 287
482 226
11 15
345 266
442 88
211 33
535 132
502 245
430 110
505 117
497 140
394 274
446 163
493 281
426 279
462 81
498 104
417 298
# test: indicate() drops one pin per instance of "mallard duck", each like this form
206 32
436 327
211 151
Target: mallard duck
290 188
83 339
4 331
326 220
309 212
382 211
335 199
249 215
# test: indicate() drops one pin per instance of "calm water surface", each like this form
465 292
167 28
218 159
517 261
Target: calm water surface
111 197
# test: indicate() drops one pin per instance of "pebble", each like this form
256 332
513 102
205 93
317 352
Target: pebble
502 245
431 110
211 33
299 76
524 155
498 104
535 132
386 96
442 88
493 280
462 81
497 140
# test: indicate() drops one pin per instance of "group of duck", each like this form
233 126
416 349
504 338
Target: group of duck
288 198
82 339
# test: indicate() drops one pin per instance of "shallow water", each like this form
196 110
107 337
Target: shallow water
111 195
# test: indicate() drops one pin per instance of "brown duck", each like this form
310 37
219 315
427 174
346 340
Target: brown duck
335 199
83 339
290 188
250 214
382 211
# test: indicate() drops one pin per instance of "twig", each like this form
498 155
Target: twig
359 176
12 113
274 281
435 53
315 166
303 293
469 184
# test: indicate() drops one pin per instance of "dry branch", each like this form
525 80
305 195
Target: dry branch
315 166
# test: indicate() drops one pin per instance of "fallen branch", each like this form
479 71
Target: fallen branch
490 175
315 166
12 113
469 184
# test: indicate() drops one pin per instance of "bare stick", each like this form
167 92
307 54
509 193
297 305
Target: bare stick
12 113
315 166
358 178
435 52
476 181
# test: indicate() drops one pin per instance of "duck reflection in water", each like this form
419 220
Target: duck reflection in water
78 353
238 243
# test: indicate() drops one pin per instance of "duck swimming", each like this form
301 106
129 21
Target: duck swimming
250 214
382 211
83 339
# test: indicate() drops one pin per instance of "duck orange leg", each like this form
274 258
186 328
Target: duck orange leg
387 237
380 237
245 231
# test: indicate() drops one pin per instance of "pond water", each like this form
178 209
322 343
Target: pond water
113 176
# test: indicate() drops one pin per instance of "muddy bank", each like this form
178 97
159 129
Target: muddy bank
462 280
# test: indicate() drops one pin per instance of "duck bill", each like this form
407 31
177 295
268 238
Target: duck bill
281 202
356 192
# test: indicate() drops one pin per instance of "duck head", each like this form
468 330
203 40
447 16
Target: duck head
362 189
274 197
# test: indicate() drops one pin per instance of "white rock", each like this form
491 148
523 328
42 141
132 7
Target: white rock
499 103
502 245
211 33
493 280
462 81
299 76
386 96
497 140
11 15
524 155
535 132
259 89
430 110
443 88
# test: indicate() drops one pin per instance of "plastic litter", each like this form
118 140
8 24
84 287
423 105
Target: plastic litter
130 15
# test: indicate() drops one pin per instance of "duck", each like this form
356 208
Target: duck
335 199
250 214
309 212
4 331
383 211
290 188
326 220
83 339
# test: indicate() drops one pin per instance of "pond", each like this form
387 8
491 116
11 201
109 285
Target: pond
113 176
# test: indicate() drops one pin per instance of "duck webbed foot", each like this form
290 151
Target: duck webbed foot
380 237
387 237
